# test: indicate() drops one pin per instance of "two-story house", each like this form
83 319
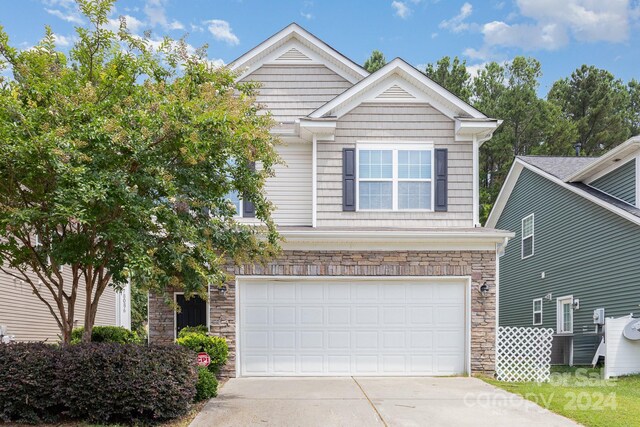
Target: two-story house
385 269
576 256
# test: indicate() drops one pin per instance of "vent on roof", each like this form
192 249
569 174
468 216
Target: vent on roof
293 54
395 91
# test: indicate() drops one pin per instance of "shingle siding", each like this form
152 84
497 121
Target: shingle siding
394 122
620 183
583 249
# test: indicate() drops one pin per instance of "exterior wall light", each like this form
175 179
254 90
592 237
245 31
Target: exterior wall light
484 289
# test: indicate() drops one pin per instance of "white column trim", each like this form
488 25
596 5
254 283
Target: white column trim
314 181
638 181
476 182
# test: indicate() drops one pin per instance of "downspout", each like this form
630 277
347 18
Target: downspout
476 181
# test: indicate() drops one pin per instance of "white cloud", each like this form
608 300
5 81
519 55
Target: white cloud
64 41
306 15
552 24
133 24
69 16
157 15
457 23
221 30
401 8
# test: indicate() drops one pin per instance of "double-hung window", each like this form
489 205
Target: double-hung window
395 178
234 198
527 236
537 311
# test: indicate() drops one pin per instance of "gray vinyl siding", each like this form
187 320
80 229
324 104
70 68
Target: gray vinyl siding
620 183
291 91
395 122
29 319
585 251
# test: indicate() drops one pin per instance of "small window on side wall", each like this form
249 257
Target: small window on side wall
537 311
527 236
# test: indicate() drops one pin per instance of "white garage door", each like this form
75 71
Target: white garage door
357 327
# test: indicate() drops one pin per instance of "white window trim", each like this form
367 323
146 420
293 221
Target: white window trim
532 235
394 148
559 320
533 320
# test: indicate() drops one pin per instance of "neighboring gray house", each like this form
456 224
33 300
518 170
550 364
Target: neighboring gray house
577 245
385 269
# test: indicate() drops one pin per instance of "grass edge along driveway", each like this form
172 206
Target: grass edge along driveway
581 394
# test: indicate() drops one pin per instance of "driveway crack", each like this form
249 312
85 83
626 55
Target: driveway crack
370 402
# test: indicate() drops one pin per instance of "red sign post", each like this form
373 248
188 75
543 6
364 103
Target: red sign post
203 359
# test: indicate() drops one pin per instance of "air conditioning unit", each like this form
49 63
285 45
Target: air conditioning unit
598 316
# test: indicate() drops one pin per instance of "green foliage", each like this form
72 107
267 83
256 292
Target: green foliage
139 314
200 329
215 347
120 157
101 383
207 385
451 75
634 106
112 334
597 103
375 61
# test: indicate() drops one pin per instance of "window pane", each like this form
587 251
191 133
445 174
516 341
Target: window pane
527 226
414 195
234 198
527 246
566 317
537 318
375 195
415 164
376 164
537 305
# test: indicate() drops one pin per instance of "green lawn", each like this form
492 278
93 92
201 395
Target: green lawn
582 395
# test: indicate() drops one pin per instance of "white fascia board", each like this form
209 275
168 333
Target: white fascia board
627 148
392 240
273 48
613 166
439 96
506 192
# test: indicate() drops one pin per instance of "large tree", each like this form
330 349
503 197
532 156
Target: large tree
375 61
452 75
597 103
117 160
634 106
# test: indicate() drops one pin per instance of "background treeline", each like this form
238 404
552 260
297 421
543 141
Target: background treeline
591 109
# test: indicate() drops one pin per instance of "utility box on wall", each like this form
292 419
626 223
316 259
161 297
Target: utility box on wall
598 316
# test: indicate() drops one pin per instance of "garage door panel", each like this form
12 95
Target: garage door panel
369 327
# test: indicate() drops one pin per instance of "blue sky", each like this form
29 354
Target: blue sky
562 34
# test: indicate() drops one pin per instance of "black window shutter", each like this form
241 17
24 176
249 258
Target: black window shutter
248 208
349 179
441 178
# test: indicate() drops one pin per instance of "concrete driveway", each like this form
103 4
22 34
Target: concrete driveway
366 401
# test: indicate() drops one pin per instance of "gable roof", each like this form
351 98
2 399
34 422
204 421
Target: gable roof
609 160
293 43
442 99
543 167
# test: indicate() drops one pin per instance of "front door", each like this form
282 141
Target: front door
193 312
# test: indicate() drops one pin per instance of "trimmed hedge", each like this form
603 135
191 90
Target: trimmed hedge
103 382
27 375
116 334
215 347
200 329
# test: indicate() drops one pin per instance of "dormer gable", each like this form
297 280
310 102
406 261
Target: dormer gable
295 45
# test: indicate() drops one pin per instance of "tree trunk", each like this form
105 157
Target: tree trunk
88 319
66 329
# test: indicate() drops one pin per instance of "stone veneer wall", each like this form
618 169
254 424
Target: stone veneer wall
479 265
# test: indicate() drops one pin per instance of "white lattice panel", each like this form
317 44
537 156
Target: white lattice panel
523 354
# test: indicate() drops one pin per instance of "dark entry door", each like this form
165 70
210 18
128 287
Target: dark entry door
193 312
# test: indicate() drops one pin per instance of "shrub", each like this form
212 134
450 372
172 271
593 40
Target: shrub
207 385
215 347
200 329
27 372
98 382
115 334
114 382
